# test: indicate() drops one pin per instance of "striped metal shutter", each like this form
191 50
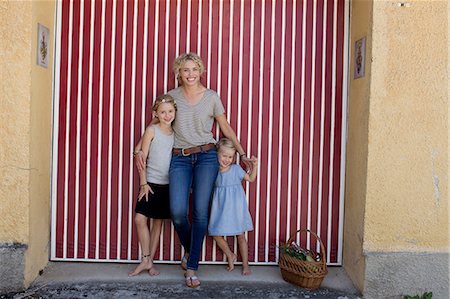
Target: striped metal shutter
280 68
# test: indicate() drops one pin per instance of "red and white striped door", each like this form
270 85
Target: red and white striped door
280 68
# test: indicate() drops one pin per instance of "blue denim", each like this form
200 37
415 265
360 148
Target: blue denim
197 172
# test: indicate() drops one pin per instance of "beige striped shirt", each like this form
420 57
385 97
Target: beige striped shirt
193 123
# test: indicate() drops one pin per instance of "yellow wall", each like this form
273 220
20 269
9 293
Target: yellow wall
448 121
396 197
407 191
357 147
25 135
15 114
40 146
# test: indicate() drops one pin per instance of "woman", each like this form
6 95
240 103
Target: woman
194 165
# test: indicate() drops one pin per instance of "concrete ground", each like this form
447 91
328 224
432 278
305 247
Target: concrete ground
104 280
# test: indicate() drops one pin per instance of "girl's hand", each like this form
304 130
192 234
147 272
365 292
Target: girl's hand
254 161
143 191
250 176
139 160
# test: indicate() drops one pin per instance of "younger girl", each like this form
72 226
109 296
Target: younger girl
156 148
229 212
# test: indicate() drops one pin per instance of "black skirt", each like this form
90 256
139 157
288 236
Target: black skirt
158 204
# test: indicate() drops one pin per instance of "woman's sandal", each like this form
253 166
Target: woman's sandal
190 281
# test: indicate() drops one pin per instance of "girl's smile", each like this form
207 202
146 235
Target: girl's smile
165 113
226 158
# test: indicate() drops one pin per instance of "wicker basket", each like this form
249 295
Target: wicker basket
306 274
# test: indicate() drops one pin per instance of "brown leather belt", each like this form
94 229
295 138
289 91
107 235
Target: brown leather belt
193 150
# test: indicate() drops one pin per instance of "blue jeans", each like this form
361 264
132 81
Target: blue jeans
197 172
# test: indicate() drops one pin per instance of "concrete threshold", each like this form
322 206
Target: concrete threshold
79 272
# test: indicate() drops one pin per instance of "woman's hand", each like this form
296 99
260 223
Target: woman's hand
143 191
247 162
250 176
139 160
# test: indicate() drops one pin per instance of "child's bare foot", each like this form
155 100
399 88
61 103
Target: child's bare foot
153 271
145 264
231 260
246 270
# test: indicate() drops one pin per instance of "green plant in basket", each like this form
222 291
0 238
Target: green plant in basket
296 251
289 250
426 295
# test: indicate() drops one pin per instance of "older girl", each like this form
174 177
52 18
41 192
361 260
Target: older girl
156 148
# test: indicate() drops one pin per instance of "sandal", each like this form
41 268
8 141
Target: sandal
190 281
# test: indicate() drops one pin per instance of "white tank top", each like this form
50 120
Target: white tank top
159 155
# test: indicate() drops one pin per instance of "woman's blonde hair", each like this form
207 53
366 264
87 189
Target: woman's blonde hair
225 142
181 60
165 98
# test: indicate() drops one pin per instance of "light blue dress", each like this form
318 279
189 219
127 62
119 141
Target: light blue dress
229 211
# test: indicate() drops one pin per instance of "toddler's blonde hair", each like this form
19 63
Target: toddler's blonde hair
225 142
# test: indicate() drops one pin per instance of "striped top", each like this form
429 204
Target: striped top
193 123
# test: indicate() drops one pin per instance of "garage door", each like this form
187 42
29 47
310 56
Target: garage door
280 68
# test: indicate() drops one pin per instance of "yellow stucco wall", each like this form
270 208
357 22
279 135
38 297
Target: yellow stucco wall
15 114
448 120
398 133
357 147
25 135
40 145
407 191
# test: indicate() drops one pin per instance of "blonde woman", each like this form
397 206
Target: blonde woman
194 165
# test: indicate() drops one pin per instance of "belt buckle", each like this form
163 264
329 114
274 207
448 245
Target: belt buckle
183 153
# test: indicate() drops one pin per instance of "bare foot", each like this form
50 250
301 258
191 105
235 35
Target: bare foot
144 265
153 271
231 260
246 270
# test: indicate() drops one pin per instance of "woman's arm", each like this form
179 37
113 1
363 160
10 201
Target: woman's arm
139 156
228 131
145 141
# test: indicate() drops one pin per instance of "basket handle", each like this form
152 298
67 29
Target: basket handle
322 247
